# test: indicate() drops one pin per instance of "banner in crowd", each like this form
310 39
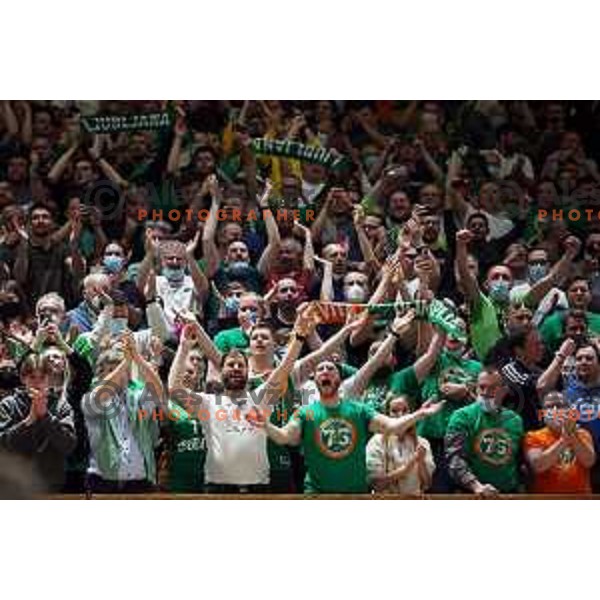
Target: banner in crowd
298 151
132 122
435 311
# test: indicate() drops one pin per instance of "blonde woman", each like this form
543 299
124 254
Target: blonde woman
399 465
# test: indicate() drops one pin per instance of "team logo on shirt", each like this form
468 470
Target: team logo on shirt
336 437
566 457
494 446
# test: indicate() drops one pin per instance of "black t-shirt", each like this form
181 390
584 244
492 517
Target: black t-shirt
47 272
522 394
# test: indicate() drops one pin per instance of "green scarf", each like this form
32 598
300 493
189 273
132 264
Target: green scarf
133 122
302 152
435 311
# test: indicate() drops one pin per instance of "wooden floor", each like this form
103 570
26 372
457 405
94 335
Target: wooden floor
165 496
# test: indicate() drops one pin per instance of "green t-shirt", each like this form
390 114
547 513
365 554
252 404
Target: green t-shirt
448 368
552 329
187 451
485 326
279 456
377 390
334 440
492 444
231 338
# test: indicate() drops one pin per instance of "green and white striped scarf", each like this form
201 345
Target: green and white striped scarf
298 151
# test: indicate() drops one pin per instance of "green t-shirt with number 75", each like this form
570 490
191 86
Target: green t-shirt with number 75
334 440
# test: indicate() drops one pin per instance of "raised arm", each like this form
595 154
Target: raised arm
363 241
327 293
319 223
200 282
10 119
306 366
276 385
273 236
549 378
425 363
366 372
27 125
107 169
57 171
154 312
152 383
431 165
308 258
209 233
465 277
560 269
400 425
180 129
148 262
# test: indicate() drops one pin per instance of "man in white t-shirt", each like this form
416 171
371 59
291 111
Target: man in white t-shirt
236 460
176 290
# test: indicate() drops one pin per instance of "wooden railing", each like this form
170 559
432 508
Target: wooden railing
165 496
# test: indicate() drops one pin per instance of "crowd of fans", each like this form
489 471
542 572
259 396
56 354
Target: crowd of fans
141 350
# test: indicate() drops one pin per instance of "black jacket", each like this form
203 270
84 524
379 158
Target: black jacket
46 443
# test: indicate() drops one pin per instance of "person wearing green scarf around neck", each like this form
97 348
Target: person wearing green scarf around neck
120 415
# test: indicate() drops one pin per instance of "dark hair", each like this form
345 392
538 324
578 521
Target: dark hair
262 325
39 206
490 370
575 279
234 352
478 215
205 148
33 363
504 349
575 313
589 344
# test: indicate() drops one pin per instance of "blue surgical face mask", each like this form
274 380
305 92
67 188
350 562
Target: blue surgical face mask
113 264
500 291
537 272
173 274
118 326
232 304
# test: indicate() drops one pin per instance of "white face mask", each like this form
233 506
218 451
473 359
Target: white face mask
118 326
488 405
355 293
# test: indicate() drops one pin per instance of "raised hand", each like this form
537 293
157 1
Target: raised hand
190 335
402 322
464 236
190 249
129 346
307 319
567 348
212 185
150 244
572 246
180 124
431 407
39 403
359 216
